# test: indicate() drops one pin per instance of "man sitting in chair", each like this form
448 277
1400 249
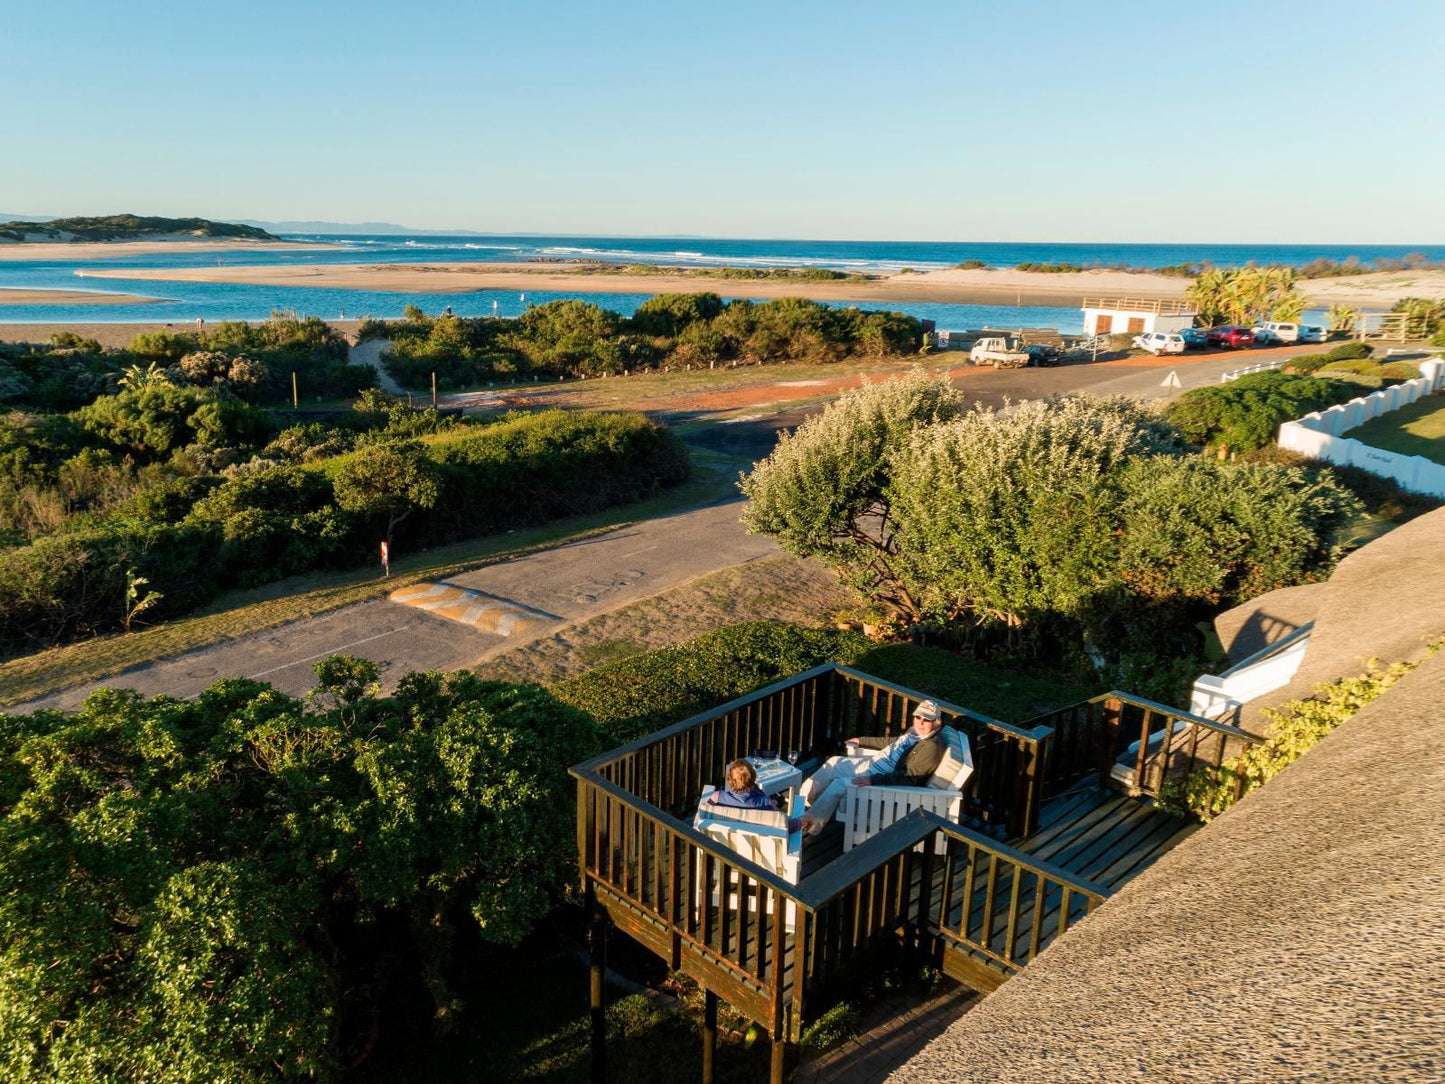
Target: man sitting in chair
910 761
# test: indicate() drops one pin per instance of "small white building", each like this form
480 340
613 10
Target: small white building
1136 315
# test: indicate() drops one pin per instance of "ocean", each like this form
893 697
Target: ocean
185 301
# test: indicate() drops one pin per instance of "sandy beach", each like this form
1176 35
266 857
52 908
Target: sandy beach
969 287
100 250
976 287
68 297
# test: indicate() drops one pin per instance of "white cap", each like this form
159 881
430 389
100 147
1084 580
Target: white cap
927 709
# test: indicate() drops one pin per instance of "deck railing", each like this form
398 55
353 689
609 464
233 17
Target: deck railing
777 951
1160 305
771 948
1134 741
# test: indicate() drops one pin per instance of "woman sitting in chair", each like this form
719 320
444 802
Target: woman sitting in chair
743 792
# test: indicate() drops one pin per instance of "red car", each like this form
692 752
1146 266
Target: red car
1231 336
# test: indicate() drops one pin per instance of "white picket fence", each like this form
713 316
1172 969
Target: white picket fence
1318 434
1262 367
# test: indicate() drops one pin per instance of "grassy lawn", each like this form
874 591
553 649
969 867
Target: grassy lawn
780 588
1417 429
238 613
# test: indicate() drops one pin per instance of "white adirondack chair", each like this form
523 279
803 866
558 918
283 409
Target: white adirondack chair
759 835
866 811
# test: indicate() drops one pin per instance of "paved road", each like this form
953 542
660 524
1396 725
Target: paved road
580 580
570 583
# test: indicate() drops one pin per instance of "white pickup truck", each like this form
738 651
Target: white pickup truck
995 351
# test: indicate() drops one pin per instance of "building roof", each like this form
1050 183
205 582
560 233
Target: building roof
1298 937
1383 601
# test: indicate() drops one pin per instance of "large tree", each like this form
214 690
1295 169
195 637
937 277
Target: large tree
224 889
388 481
1033 520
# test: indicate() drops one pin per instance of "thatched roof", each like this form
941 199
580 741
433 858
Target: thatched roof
1299 937
1386 601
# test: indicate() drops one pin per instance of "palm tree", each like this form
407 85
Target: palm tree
137 379
1343 318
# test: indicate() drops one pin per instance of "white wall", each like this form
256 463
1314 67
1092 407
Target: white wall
1319 434
1214 695
1153 321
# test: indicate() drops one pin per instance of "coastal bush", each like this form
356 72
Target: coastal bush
1306 363
972 265
646 692
1350 351
669 315
1397 372
1245 414
194 535
228 887
1057 523
574 338
1242 295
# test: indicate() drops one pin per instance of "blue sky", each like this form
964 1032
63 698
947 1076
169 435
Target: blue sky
1223 122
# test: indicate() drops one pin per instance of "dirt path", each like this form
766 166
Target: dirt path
369 353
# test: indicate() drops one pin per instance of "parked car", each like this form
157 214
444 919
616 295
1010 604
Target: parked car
1313 333
1195 338
1231 336
1043 354
1276 331
1160 342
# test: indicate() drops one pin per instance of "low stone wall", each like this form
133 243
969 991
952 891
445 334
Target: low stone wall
1318 434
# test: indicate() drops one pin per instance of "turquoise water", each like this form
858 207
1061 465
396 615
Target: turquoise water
185 301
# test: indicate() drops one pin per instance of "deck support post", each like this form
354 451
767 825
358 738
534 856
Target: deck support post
780 1048
597 958
709 1035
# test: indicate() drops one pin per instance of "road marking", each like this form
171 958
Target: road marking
481 611
634 553
323 654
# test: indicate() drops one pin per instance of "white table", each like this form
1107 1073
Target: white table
776 774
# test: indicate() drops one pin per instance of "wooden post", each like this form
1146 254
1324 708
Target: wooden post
597 945
433 390
775 1069
709 1035
295 399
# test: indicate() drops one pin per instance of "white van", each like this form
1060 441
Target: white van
1274 331
1160 342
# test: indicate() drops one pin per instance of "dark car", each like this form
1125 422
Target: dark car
1195 338
1230 335
1043 354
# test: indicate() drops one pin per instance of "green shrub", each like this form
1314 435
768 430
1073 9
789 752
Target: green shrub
1245 414
1360 365
1294 728
1350 351
647 692
1364 382
1306 363
1397 372
1010 695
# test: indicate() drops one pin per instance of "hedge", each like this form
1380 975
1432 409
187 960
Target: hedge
647 692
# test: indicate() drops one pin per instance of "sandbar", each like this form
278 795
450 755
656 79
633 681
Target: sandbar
90 250
23 296
955 286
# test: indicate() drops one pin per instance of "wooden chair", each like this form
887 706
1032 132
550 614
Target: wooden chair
866 811
759 835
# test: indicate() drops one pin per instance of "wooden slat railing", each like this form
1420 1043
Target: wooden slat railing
1149 741
1008 760
772 949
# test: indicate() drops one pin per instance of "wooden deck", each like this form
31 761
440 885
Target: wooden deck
1046 836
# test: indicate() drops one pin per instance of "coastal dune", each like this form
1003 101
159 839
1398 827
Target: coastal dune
955 285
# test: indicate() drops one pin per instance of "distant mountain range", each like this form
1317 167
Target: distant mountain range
388 229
